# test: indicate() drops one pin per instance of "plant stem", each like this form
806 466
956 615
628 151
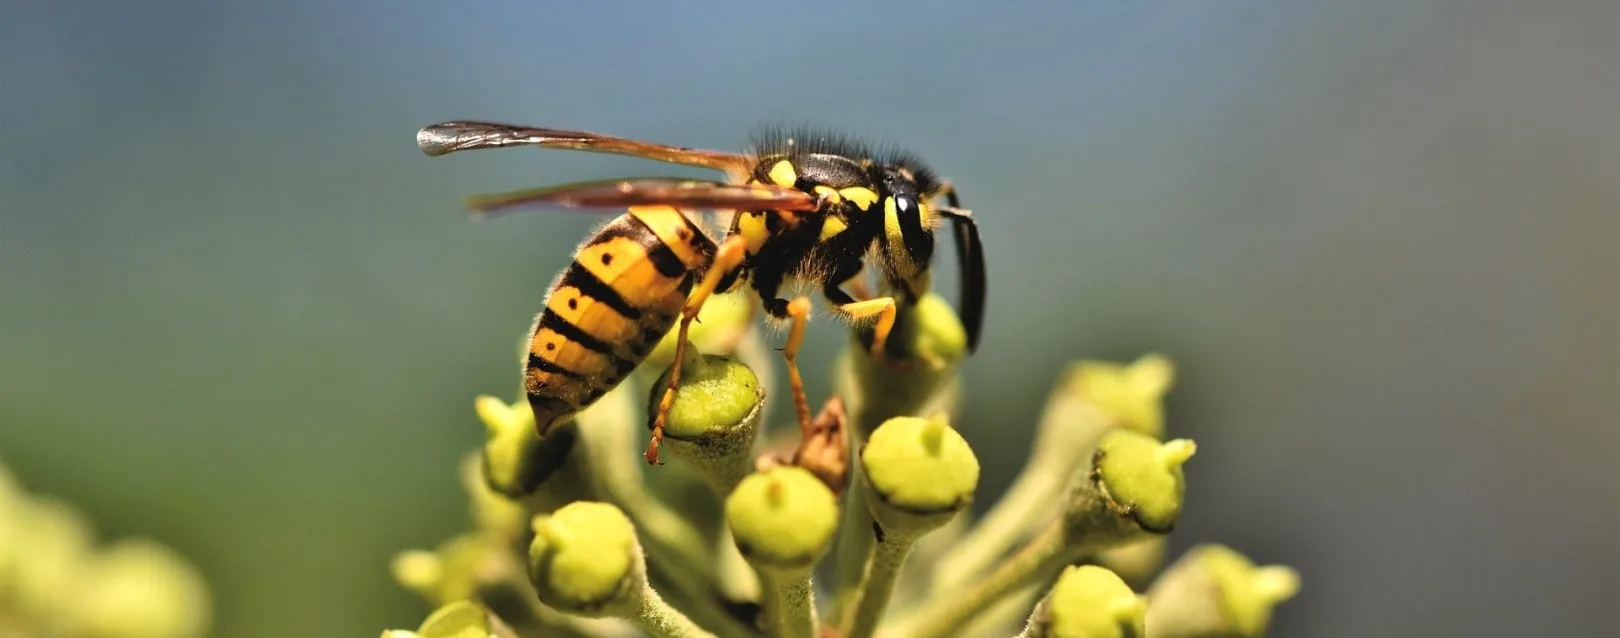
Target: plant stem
884 563
788 604
1041 558
660 620
855 545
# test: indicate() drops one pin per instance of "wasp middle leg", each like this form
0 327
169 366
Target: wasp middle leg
727 257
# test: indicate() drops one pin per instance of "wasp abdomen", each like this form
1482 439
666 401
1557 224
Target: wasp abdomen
623 292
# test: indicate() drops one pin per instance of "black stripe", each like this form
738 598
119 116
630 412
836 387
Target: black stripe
556 323
662 256
589 285
538 363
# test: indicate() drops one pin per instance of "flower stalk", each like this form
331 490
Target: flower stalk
1133 491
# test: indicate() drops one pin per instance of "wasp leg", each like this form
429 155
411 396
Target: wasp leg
885 310
727 257
798 311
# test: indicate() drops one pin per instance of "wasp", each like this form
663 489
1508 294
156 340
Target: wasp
805 206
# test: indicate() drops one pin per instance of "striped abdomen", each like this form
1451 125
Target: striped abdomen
623 292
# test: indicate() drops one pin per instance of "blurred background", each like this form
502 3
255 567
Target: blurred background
240 313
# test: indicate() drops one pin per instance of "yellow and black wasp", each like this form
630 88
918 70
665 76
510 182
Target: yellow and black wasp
807 206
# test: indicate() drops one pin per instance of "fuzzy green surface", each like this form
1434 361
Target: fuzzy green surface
1092 602
460 619
1247 593
1135 473
920 464
716 393
582 554
783 516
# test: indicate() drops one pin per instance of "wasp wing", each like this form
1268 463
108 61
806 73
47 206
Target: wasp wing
649 191
451 137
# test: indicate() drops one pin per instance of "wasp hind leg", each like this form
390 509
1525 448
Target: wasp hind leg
727 257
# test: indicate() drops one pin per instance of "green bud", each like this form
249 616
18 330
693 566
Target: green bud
1131 394
460 619
715 417
1213 590
449 572
1135 562
54 547
585 559
782 518
139 589
518 464
720 325
1092 602
11 522
932 342
1142 477
921 473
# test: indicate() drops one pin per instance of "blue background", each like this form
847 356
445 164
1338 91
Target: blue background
241 313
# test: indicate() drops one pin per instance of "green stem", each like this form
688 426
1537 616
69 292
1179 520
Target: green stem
1008 522
886 559
1066 435
1040 559
668 537
855 544
660 620
788 604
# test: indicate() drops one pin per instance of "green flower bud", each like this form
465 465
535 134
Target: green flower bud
1092 602
1135 484
1213 590
11 522
460 619
715 417
921 473
931 342
449 572
139 589
585 559
54 546
720 325
1135 562
1132 394
517 464
782 518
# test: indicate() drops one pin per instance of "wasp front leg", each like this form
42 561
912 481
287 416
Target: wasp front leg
727 257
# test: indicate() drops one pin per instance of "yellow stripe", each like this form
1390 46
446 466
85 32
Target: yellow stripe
673 229
547 344
594 317
623 264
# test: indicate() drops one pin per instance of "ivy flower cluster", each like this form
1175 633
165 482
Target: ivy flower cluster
56 580
862 526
